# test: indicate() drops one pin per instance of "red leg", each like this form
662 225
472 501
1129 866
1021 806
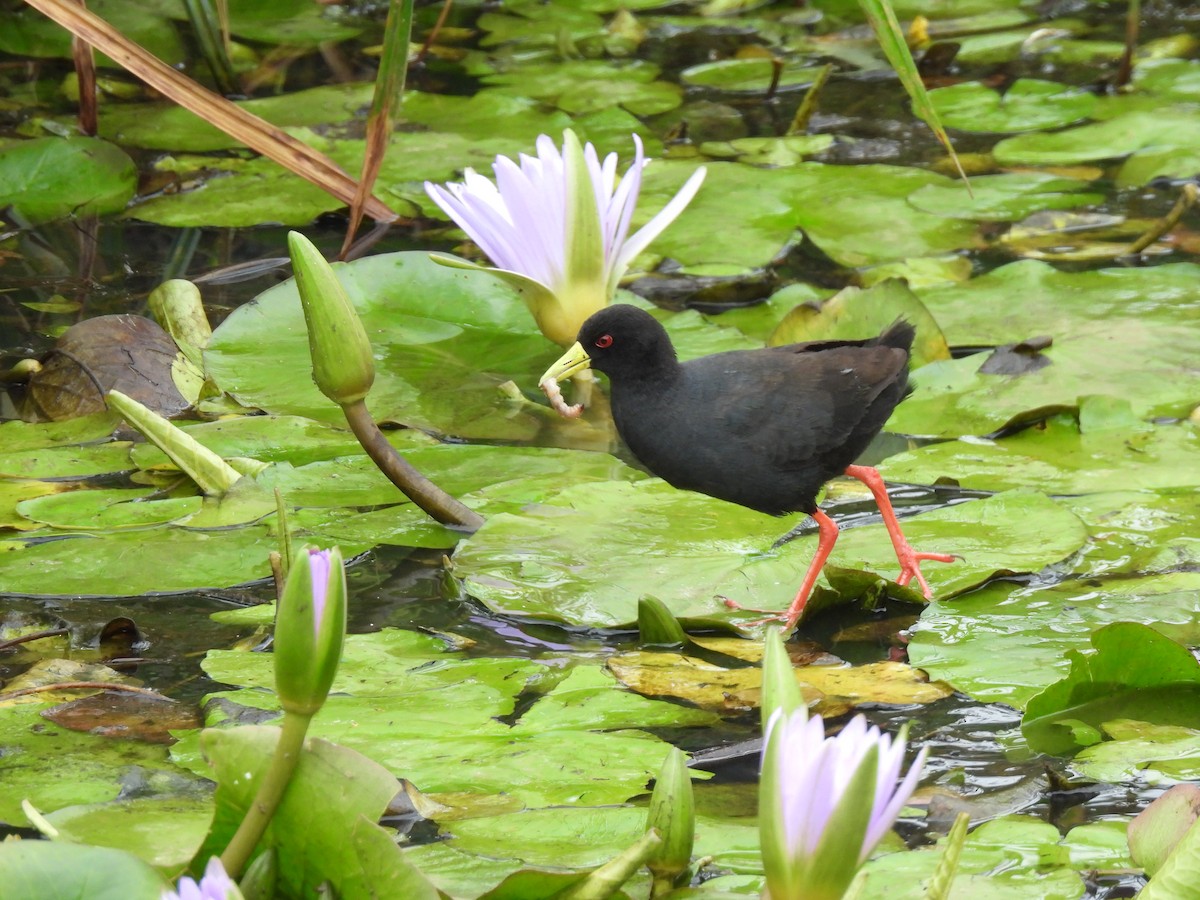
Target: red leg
910 559
827 538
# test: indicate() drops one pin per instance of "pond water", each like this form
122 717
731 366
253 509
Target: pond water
57 273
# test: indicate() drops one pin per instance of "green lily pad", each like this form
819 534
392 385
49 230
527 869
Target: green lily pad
46 870
50 178
163 831
853 314
104 510
17 435
1005 859
1135 672
1142 753
451 737
588 554
1112 139
570 85
1143 360
69 461
1027 105
1004 198
1008 641
168 560
1058 458
55 768
240 193
751 74
765 207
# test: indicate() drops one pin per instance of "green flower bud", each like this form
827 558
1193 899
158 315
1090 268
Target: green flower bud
309 627
343 365
673 814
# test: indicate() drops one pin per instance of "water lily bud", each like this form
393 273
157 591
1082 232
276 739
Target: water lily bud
779 687
673 814
309 627
343 365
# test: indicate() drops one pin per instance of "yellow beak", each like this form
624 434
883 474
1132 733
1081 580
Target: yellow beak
574 361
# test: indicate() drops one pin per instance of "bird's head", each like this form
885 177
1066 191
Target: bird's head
621 341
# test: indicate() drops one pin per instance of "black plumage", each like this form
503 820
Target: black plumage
765 429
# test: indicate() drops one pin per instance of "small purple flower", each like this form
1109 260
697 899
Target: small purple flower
556 226
825 803
310 626
319 564
215 885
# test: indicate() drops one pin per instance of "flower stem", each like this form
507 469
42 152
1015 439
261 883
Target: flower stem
270 792
428 496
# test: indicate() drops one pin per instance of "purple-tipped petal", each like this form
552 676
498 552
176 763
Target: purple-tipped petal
319 566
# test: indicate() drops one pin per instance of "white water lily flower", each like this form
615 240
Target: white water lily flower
556 226
824 803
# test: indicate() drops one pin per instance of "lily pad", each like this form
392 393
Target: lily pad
54 768
451 737
854 314
167 560
831 690
765 207
1058 458
49 178
589 553
1008 641
1027 105
1004 198
1135 672
104 510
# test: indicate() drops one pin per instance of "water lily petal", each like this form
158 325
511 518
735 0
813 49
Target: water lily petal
656 226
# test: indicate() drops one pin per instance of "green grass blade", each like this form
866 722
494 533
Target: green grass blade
891 38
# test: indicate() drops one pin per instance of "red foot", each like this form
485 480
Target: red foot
827 538
910 559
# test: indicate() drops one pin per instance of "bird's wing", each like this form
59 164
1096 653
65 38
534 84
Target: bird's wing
804 409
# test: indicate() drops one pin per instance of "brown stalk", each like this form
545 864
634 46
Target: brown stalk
439 505
389 87
252 131
85 71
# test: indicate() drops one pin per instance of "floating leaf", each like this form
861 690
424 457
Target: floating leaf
1135 672
49 178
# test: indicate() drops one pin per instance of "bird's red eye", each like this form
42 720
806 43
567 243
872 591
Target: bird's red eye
604 341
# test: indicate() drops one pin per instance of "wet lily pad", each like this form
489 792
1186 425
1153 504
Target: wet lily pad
765 207
55 768
589 553
49 178
1121 136
1135 672
1058 458
1004 198
103 510
1008 641
1026 105
450 737
831 690
167 560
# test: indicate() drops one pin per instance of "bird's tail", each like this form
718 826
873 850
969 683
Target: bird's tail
900 334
